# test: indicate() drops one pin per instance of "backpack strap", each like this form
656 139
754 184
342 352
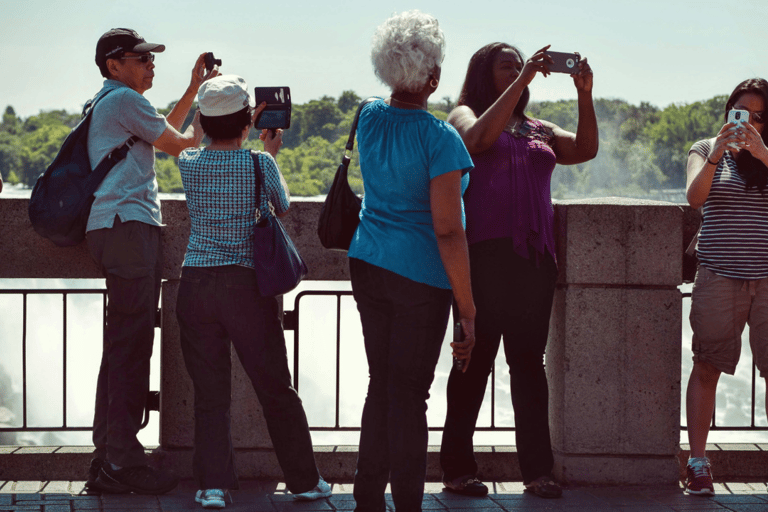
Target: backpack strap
116 154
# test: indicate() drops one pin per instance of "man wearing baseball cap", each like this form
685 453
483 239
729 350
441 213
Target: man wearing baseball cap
123 235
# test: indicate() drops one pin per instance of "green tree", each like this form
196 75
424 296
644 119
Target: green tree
39 147
168 175
11 124
348 101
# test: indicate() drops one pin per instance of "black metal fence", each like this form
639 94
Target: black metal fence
291 322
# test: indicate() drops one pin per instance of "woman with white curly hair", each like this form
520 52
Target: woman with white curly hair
408 259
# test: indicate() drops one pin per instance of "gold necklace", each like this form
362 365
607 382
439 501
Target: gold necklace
421 107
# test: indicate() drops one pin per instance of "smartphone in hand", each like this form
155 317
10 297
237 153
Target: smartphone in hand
736 116
563 62
458 337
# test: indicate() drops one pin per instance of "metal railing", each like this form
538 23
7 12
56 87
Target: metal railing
152 398
291 322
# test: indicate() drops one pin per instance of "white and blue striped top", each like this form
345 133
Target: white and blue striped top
221 197
734 236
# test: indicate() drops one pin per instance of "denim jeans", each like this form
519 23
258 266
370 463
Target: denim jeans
130 257
404 326
216 306
513 297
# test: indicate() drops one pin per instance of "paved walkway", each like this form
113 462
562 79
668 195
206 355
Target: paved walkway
272 497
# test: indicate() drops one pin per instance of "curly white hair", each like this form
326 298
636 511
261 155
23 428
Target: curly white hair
406 49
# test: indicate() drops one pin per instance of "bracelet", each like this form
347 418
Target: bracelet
711 162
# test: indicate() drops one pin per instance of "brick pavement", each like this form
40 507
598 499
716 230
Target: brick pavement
272 497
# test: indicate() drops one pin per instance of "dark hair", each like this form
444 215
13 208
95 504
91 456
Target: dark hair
754 172
104 70
479 89
226 127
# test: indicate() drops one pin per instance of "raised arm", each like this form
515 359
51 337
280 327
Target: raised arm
576 148
701 170
445 201
479 133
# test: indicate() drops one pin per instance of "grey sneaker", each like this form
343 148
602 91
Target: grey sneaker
321 490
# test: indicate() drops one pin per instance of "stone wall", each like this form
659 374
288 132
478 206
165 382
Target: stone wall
613 358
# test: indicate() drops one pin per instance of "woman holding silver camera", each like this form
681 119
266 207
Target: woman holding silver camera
727 177
510 231
408 258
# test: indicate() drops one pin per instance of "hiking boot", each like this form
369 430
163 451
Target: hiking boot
93 474
212 498
699 479
138 479
321 490
467 485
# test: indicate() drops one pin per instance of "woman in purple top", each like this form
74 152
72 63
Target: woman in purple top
510 231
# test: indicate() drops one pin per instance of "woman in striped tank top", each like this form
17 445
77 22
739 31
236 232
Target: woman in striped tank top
727 177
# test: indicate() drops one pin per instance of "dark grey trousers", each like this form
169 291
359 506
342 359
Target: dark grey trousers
130 257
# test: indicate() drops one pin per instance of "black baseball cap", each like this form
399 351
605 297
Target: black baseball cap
114 43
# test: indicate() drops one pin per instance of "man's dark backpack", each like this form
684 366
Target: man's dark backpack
61 200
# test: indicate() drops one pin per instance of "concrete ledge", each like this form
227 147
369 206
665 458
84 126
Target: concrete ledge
336 463
731 463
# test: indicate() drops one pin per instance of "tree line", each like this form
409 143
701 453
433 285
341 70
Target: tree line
642 148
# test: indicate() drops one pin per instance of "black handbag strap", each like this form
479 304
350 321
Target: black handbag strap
347 158
260 186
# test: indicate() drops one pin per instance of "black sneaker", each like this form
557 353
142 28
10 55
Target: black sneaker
138 479
93 474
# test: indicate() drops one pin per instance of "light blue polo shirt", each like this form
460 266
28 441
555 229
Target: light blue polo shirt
130 188
401 151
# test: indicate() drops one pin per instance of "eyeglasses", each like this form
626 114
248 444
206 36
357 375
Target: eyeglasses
144 58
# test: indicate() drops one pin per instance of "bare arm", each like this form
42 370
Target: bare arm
582 146
700 170
173 142
445 203
479 133
180 110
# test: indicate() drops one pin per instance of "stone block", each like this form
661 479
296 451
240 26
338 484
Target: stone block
608 470
613 363
177 424
616 241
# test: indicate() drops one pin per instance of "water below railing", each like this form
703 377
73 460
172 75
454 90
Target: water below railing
50 338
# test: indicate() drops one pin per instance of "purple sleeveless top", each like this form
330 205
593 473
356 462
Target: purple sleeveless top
509 192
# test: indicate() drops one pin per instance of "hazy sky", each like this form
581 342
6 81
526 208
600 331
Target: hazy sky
657 51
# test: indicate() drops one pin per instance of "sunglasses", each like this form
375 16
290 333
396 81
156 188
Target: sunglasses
147 57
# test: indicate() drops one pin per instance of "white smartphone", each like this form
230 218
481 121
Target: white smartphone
738 116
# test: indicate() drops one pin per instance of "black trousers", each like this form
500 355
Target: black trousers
513 297
219 307
130 257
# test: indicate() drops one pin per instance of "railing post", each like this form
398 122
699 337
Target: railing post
613 359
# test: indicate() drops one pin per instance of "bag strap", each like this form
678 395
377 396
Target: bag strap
347 158
260 186
115 155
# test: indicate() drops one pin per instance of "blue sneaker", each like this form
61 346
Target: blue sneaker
212 498
321 490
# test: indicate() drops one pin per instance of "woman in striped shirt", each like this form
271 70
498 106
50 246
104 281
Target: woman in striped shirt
727 177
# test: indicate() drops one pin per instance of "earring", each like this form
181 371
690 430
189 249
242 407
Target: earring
434 83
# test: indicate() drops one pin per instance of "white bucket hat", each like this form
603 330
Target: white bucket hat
223 95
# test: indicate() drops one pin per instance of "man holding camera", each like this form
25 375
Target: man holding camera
124 239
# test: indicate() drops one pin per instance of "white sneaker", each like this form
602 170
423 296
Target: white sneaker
211 498
321 490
